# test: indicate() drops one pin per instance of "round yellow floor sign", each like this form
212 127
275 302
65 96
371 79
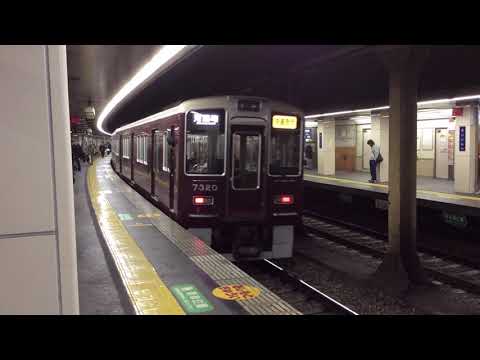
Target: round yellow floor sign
236 292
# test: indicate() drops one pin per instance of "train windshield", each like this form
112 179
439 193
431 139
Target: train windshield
285 147
205 142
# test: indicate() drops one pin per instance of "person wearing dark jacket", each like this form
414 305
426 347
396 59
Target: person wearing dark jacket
76 155
102 150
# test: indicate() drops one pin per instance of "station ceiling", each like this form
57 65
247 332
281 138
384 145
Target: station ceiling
316 78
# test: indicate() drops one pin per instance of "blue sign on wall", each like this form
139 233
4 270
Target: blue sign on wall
461 143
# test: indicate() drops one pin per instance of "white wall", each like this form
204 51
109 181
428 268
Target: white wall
326 154
466 162
38 270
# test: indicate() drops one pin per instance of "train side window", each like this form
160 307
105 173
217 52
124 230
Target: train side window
142 143
165 152
205 142
146 143
158 151
285 151
126 147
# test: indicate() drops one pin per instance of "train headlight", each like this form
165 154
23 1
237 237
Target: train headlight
202 200
283 200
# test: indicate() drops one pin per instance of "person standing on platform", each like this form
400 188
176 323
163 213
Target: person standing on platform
375 159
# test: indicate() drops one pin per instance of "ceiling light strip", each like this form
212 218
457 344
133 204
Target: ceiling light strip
166 53
161 115
420 103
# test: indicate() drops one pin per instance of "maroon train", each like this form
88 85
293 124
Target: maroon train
228 168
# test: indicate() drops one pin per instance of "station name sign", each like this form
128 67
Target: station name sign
284 122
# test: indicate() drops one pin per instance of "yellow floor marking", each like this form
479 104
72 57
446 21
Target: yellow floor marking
440 194
149 215
148 294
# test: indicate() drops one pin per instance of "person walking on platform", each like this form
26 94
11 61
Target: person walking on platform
76 158
102 150
91 153
375 159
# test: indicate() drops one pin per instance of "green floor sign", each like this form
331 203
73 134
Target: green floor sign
191 298
125 217
459 221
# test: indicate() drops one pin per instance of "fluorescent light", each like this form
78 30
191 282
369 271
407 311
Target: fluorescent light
346 112
166 53
161 115
420 103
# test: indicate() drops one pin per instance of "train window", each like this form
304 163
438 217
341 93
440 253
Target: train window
246 160
142 143
205 142
126 147
285 152
158 151
165 151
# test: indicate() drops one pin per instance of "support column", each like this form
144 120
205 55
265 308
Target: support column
466 150
401 264
326 147
38 259
380 136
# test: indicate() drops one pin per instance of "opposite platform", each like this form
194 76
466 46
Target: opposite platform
468 204
164 268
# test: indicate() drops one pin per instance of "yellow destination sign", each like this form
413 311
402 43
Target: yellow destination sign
284 122
236 292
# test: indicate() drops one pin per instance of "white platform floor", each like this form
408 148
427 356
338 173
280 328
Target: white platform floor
423 183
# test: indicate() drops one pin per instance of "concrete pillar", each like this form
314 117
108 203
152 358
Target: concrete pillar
466 155
38 268
326 147
380 135
401 264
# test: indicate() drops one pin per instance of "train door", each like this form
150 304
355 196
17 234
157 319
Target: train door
170 153
441 153
132 159
120 152
246 190
155 172
367 150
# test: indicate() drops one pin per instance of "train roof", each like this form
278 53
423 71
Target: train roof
199 103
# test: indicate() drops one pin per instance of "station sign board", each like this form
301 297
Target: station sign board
455 220
309 135
458 111
462 139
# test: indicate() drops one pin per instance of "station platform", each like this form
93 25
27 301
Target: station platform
164 269
432 193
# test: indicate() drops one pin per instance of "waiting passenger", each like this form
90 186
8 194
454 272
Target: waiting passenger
309 156
375 159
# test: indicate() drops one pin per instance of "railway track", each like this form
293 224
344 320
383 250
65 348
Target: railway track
441 267
279 278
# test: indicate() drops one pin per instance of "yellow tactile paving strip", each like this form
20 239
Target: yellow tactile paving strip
435 193
147 292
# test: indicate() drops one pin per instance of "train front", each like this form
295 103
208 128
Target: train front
243 166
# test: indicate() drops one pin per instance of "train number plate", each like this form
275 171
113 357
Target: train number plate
205 187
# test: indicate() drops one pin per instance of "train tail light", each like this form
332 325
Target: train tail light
284 200
202 200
